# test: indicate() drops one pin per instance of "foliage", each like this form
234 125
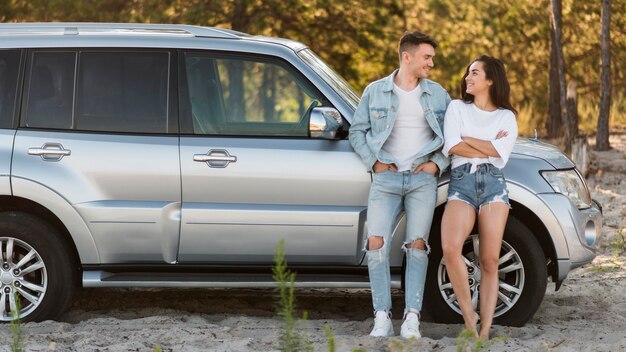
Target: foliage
619 244
358 38
17 344
330 337
293 337
401 345
467 342
609 266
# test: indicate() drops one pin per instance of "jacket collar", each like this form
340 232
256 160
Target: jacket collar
388 83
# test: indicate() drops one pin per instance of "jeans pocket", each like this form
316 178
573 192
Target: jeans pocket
457 173
495 172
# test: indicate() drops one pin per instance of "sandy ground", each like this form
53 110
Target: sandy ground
588 313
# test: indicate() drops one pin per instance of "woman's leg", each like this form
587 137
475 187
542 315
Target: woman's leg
456 225
491 222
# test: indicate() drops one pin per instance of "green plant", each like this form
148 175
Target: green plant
157 348
606 268
397 345
467 342
16 325
619 245
330 337
292 339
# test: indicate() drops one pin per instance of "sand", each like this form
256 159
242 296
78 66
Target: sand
588 313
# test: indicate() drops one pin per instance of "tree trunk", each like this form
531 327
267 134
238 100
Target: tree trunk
580 146
602 137
268 93
236 110
580 154
554 103
556 28
572 109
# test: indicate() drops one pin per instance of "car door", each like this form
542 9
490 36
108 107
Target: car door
9 83
252 176
98 128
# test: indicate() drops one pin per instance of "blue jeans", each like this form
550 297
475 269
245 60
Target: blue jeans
392 192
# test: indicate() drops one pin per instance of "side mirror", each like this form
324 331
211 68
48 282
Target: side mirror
325 123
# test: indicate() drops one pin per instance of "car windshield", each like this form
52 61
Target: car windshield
331 77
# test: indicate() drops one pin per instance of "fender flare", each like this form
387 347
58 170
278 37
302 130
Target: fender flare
64 211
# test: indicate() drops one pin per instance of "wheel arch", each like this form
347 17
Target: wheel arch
529 219
71 227
541 233
18 204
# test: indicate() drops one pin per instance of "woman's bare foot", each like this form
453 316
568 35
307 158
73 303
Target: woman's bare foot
484 334
471 323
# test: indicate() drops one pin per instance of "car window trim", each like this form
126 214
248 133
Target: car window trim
172 111
186 124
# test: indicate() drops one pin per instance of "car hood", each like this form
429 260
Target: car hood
544 151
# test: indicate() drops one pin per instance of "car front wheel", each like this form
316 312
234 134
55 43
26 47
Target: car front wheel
522 278
37 278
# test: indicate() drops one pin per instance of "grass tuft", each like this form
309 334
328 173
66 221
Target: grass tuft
467 342
619 245
330 337
17 344
293 336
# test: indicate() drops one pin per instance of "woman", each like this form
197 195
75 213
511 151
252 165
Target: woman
480 132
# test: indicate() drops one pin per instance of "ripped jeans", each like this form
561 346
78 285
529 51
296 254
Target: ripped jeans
392 192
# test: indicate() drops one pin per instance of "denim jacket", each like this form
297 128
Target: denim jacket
375 116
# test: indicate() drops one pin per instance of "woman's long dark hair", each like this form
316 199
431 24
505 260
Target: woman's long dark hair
499 91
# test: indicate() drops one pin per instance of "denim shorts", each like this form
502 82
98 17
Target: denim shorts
486 185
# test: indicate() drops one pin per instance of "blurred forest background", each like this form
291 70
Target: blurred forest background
358 38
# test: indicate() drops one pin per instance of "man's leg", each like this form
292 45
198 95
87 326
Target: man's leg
384 205
419 204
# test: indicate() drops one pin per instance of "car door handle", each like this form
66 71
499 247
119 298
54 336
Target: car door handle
50 151
218 158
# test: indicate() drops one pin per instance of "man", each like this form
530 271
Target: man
398 132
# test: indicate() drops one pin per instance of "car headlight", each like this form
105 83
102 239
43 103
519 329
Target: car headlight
570 184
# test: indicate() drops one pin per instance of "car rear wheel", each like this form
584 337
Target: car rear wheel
37 275
522 278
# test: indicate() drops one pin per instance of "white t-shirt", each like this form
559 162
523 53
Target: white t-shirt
411 132
467 120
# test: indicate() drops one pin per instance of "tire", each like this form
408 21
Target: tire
37 270
526 261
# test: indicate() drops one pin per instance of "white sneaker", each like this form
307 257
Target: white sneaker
382 325
410 327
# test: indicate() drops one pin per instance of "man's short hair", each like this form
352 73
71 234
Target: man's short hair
414 39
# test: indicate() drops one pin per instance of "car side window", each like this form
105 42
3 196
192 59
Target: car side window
9 69
123 92
51 88
112 91
247 97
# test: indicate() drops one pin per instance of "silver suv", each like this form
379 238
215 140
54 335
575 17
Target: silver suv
179 156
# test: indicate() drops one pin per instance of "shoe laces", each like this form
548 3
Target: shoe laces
412 323
380 319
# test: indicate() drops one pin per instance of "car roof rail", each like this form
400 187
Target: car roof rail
85 28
